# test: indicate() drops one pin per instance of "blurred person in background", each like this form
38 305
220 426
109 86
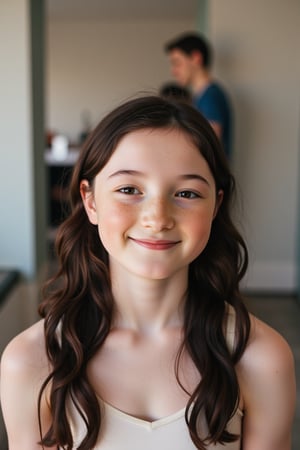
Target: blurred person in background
190 58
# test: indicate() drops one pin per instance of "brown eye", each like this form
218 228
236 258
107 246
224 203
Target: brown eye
187 194
129 190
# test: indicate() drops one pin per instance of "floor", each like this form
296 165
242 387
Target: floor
283 314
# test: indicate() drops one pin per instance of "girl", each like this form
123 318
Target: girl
145 342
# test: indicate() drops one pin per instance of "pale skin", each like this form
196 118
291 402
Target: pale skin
154 213
188 70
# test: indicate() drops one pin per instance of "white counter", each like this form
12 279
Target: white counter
69 160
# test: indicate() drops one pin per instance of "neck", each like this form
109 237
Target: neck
148 306
200 80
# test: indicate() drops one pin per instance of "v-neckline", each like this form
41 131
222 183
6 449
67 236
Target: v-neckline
149 424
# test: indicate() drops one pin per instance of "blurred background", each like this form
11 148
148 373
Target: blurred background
66 63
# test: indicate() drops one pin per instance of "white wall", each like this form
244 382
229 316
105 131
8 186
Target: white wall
93 65
16 177
257 57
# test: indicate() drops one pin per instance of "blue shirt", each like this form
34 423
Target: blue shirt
215 106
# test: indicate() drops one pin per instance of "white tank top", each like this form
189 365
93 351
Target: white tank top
121 431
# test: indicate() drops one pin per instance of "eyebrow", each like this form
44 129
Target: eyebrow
194 176
188 176
125 172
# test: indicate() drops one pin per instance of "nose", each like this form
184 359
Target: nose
157 215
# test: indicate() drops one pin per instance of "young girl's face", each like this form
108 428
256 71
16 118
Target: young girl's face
154 203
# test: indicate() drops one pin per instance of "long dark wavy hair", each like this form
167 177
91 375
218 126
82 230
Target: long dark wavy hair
78 300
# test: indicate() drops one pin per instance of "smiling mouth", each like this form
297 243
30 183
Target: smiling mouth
155 244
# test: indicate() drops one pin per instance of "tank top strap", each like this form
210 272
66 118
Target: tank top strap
58 332
229 326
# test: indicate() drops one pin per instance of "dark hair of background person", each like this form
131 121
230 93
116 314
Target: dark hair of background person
79 301
171 90
188 43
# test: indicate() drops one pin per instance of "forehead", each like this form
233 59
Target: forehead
177 55
163 152
158 143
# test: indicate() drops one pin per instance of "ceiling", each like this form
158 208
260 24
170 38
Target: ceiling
121 9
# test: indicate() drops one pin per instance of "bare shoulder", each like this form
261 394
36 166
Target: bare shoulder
25 353
24 368
267 350
268 389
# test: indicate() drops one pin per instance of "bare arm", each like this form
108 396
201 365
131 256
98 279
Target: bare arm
267 379
23 368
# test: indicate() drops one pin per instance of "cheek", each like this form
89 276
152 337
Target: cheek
113 221
201 232
200 228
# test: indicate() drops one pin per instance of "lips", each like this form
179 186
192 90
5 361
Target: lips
155 244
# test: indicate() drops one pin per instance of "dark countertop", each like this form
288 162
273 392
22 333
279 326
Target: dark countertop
8 277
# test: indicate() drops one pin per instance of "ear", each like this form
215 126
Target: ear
88 200
219 199
197 57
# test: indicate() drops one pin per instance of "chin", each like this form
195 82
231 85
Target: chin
157 274
154 276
